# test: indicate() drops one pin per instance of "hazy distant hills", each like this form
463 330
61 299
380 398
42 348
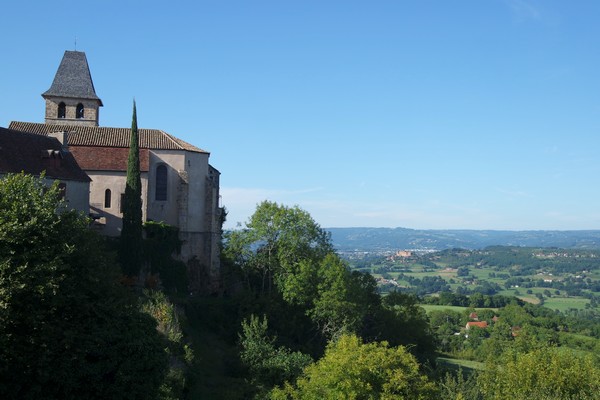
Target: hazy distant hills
383 239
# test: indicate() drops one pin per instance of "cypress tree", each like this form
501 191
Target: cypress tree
131 234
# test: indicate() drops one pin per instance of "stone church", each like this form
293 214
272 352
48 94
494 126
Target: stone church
179 186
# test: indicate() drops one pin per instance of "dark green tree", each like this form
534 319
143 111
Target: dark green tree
403 322
276 239
68 329
131 234
268 364
284 252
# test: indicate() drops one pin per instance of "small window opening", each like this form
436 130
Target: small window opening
79 111
107 198
62 110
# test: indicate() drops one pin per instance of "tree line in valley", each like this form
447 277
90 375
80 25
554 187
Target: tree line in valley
558 272
515 261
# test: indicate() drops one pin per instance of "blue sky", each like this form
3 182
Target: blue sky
474 114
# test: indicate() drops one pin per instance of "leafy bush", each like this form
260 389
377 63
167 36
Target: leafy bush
353 370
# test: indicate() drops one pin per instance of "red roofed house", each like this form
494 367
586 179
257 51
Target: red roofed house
179 186
478 324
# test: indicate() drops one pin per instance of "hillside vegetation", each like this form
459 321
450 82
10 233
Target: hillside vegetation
294 322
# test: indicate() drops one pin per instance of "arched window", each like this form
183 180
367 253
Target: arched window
161 183
107 198
79 111
62 110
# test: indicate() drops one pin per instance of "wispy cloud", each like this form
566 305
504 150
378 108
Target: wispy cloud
330 210
513 193
562 218
256 195
241 202
524 10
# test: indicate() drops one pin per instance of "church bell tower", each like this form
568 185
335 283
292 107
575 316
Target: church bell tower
72 100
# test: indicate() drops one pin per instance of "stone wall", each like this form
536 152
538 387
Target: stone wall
90 113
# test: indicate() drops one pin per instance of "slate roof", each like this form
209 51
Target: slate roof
32 154
73 78
101 136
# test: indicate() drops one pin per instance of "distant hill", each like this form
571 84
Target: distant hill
385 239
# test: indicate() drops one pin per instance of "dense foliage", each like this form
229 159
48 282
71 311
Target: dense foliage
67 328
284 255
161 242
181 356
351 369
268 365
544 373
343 309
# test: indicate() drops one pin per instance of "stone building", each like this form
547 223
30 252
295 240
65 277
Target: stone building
179 186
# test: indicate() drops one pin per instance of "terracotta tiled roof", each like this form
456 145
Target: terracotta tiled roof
107 158
153 139
33 154
482 324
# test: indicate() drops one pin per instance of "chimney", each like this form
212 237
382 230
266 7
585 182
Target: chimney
62 137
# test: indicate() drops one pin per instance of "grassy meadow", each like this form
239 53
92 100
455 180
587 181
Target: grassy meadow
557 300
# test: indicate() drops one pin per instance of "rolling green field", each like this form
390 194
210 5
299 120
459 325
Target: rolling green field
564 304
433 307
458 363
552 298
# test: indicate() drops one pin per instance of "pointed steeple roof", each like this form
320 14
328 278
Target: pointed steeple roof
73 78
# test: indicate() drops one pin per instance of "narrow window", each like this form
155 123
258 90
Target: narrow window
161 183
107 198
79 111
62 110
122 205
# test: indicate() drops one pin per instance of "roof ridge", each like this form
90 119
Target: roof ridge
172 138
103 136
